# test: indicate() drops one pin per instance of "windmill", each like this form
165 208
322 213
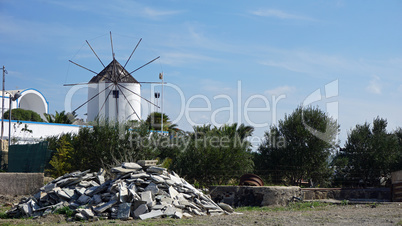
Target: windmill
114 93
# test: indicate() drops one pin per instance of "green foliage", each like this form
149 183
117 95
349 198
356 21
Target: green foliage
298 148
23 115
3 215
344 202
214 155
154 122
104 145
65 210
60 161
370 153
61 117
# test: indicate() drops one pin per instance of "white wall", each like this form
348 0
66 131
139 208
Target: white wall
39 130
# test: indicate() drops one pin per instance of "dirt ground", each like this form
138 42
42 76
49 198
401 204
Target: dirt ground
331 214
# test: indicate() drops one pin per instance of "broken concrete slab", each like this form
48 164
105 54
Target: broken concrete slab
123 211
152 214
131 165
141 209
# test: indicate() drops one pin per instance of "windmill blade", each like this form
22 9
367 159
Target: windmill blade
154 82
145 65
77 84
95 53
111 43
92 98
128 102
132 53
82 67
138 95
107 97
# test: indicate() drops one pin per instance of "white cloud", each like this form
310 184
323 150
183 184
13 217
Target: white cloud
158 13
375 85
279 14
280 90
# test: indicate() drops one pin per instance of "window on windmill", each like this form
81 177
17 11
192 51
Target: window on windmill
115 93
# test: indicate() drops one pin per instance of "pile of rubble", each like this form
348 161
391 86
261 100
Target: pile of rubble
140 190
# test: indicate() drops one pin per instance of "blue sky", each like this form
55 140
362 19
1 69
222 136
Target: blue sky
226 55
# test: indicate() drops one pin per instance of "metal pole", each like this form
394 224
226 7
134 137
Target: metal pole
9 124
2 104
162 106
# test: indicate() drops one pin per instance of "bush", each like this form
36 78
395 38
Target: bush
23 115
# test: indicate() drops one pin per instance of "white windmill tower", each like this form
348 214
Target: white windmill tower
113 93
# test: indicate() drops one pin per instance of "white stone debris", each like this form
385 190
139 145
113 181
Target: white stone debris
139 190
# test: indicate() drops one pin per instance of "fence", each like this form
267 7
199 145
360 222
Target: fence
28 158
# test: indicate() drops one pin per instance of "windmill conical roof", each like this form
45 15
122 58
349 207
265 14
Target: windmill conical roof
114 72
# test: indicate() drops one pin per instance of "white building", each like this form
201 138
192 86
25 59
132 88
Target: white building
30 99
114 94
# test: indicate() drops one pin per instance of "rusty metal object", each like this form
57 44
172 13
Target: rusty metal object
250 179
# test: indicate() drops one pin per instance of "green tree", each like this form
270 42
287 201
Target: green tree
60 160
213 155
370 154
61 117
23 115
154 122
298 148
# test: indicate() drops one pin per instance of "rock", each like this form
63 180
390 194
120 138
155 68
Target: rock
131 165
187 215
157 179
87 213
122 170
84 199
123 211
141 190
170 211
153 188
141 209
156 170
147 196
152 214
105 206
145 163
226 207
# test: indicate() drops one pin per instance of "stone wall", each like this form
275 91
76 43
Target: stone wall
374 194
254 196
20 183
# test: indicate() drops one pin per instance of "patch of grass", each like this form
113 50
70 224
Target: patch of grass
344 202
293 206
3 215
65 210
399 223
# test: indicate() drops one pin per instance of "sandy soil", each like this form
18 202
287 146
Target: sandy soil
352 214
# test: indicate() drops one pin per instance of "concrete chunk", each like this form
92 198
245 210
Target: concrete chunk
157 179
147 196
170 211
141 209
131 165
147 162
122 170
152 214
105 206
156 170
87 212
172 192
152 188
84 199
124 211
